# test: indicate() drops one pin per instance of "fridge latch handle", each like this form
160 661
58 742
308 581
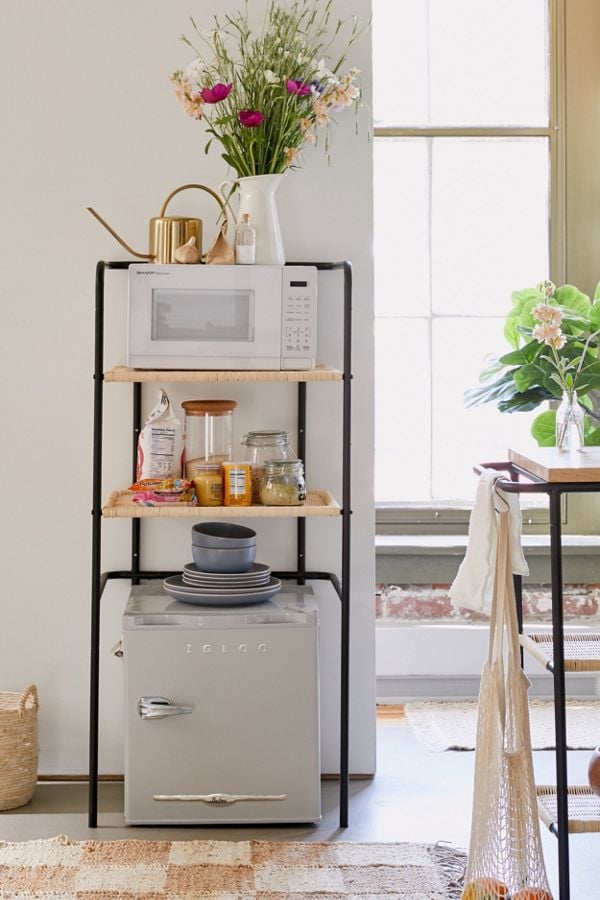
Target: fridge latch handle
160 708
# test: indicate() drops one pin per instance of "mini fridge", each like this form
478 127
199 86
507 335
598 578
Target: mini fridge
222 710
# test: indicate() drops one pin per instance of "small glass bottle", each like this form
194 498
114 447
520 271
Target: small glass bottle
245 242
569 423
283 483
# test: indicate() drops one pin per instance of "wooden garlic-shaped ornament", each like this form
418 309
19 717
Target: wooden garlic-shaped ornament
188 253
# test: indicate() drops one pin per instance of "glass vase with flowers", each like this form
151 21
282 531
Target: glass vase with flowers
554 333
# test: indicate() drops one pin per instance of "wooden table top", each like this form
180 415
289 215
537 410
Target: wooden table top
558 465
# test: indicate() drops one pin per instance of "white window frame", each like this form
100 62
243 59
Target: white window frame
392 516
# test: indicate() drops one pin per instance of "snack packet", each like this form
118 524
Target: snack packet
160 444
154 491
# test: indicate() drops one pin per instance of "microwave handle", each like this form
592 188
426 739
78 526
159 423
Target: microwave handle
160 708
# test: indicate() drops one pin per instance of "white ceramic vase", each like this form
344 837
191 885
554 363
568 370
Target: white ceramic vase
257 198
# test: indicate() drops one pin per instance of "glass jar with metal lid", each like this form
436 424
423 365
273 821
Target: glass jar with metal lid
263 445
283 483
208 433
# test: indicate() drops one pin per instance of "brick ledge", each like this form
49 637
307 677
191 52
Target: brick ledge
398 603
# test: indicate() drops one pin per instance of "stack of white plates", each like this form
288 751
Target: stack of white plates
223 588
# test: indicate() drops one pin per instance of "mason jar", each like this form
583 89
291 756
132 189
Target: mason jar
208 433
263 445
283 483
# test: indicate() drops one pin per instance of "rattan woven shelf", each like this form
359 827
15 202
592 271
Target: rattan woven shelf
121 505
582 651
319 373
584 807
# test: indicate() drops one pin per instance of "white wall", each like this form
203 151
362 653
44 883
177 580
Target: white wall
89 118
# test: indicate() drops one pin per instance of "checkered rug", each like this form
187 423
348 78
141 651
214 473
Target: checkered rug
60 869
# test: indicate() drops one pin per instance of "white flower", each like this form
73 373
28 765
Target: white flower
270 77
324 74
195 71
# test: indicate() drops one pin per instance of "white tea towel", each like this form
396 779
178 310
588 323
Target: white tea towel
472 587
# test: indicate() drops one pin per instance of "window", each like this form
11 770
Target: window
466 211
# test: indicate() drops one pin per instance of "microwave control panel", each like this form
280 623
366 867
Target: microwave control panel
299 318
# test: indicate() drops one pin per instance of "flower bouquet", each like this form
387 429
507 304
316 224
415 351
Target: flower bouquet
264 95
554 335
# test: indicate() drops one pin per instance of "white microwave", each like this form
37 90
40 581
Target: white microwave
222 317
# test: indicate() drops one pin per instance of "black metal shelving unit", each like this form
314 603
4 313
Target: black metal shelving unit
519 480
136 573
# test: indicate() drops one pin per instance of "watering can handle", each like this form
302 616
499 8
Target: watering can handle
201 187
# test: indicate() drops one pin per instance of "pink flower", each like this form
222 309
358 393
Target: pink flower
547 288
292 155
549 333
545 313
297 87
250 118
558 342
321 114
216 93
192 103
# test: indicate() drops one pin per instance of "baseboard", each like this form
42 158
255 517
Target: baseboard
393 689
79 779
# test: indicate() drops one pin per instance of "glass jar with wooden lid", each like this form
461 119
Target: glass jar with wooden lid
208 433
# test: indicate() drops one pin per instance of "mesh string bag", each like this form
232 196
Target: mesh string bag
505 851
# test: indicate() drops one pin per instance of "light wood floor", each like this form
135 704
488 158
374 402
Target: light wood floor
416 795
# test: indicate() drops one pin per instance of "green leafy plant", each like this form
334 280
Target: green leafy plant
554 336
263 94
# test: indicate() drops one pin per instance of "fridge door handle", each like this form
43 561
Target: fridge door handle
160 708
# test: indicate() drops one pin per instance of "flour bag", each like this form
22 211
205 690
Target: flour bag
160 444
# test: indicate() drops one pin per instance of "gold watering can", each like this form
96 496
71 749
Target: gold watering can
169 233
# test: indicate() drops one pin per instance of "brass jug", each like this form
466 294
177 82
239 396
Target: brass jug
168 233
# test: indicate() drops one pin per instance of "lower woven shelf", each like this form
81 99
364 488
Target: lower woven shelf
581 651
583 804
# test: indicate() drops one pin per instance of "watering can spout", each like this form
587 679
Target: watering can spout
116 236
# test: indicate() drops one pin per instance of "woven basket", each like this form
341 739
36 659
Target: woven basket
18 746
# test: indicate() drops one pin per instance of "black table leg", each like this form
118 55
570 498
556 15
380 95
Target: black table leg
559 694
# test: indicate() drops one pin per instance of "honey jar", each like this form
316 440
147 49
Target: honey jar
208 482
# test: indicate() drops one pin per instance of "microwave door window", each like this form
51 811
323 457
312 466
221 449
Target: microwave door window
203 316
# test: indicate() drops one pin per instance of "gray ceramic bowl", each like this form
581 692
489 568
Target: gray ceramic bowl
237 559
222 535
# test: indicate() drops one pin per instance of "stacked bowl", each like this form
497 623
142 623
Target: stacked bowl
222 547
224 571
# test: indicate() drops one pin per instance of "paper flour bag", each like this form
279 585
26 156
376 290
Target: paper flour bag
160 444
